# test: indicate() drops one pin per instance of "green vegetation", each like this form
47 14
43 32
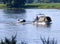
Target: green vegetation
48 41
2 6
30 4
8 41
38 5
14 41
43 1
44 5
14 3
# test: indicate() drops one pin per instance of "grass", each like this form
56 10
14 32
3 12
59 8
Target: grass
44 5
7 41
37 5
48 41
13 41
2 6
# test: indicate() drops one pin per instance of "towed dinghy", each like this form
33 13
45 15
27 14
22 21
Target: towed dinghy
21 20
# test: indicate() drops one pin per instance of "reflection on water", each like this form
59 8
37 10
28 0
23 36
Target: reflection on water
14 11
46 25
28 32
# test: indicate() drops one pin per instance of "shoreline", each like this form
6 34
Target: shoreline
35 6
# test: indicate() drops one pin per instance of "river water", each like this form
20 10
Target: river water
29 33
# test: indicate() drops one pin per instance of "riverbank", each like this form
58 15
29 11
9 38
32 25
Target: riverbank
44 5
37 5
2 6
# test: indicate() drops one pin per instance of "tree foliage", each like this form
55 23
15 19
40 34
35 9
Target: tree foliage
14 3
21 3
43 1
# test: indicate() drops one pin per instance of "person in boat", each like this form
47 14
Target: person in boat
48 19
36 19
43 19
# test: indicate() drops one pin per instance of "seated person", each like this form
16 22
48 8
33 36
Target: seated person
36 19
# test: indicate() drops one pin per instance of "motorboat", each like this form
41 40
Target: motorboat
42 20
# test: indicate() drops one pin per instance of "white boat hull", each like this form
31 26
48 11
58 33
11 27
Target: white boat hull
40 23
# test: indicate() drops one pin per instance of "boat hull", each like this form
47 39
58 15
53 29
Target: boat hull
41 23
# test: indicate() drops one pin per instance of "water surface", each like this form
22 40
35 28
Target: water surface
28 32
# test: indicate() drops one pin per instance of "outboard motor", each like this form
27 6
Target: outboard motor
48 19
23 20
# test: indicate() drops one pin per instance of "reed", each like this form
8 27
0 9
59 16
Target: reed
48 41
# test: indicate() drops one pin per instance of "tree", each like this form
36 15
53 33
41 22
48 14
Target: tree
29 1
16 3
5 1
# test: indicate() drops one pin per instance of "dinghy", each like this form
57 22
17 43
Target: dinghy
21 20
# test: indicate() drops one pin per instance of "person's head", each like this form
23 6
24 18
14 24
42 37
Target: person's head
36 16
18 19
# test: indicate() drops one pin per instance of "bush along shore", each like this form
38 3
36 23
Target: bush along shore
44 5
14 41
2 6
36 5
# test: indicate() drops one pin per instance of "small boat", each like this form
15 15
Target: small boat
21 21
42 20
